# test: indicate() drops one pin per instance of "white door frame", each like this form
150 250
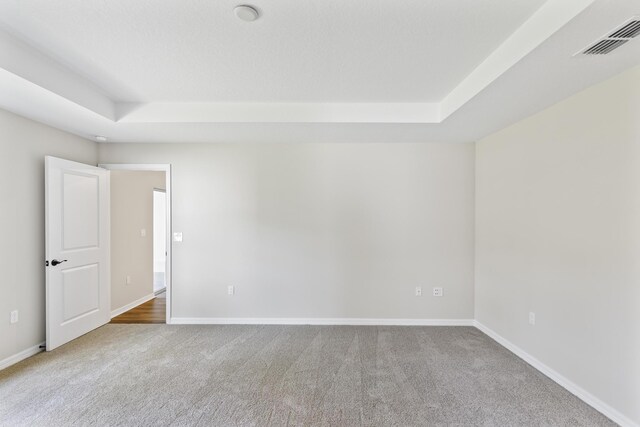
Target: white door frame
166 168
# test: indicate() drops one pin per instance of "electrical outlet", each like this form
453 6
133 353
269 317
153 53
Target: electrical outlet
230 290
437 292
143 232
127 281
14 316
177 237
418 291
532 318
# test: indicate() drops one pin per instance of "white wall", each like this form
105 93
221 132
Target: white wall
23 145
318 230
558 233
132 253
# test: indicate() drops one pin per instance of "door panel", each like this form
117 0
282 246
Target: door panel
81 200
80 292
77 234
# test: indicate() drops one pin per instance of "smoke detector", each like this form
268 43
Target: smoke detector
246 13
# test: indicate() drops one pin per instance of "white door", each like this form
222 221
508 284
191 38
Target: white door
76 249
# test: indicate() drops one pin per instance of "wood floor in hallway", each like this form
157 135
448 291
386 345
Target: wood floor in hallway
153 311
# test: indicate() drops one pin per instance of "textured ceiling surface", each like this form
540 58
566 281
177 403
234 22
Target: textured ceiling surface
298 51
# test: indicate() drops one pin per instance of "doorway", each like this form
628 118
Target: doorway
79 250
140 241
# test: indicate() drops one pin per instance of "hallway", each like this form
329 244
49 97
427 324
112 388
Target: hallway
153 311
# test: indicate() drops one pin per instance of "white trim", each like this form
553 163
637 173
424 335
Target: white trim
546 21
159 291
318 321
47 74
166 168
125 308
578 391
18 357
278 112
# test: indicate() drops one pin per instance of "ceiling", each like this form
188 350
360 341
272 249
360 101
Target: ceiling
306 70
298 51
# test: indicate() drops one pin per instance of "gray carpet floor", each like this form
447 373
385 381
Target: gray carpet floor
154 375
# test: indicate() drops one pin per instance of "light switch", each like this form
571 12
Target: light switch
177 237
143 232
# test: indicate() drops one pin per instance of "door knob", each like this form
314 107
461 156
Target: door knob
56 262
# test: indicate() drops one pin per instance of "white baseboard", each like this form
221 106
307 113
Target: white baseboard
317 321
12 360
119 311
578 391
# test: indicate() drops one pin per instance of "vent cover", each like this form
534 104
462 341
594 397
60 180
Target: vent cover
615 39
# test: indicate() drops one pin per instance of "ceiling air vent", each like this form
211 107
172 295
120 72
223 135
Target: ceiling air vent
615 39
